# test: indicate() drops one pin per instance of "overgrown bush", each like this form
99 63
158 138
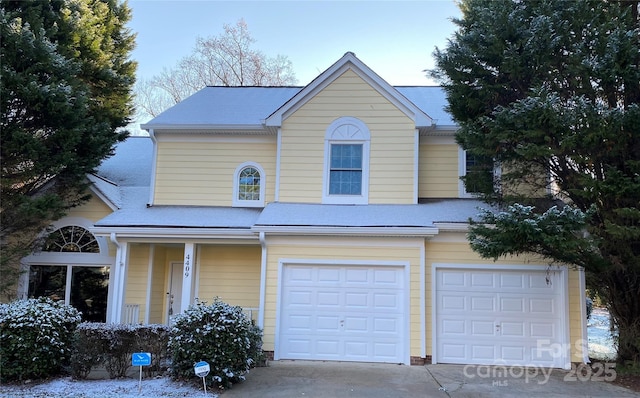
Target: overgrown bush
36 338
219 334
112 345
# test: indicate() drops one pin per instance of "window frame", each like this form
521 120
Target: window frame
237 202
346 131
462 171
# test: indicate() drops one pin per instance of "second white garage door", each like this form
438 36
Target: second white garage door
500 317
342 313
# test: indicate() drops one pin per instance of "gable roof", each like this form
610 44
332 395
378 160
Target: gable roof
257 108
350 62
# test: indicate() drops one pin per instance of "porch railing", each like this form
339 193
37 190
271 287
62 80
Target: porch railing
131 315
251 313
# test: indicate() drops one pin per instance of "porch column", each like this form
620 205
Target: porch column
187 280
119 277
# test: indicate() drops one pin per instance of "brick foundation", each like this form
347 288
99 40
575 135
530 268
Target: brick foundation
419 361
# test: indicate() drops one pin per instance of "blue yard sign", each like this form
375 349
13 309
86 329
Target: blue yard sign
141 359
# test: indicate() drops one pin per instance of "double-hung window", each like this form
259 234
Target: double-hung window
346 178
477 174
345 174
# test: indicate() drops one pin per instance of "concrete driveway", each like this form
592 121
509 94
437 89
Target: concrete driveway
284 379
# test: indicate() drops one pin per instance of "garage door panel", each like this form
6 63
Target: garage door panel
352 313
481 303
543 330
481 352
482 328
513 354
496 317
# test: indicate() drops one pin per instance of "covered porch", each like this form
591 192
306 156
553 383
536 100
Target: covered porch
154 280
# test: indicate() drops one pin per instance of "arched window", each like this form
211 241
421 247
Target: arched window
72 266
248 185
346 164
71 239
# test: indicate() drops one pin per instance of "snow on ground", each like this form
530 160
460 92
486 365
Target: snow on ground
601 346
67 387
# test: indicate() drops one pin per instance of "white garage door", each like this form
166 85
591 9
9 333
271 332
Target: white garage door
342 313
493 317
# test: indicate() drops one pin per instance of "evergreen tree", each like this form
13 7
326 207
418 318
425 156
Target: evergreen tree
550 90
65 94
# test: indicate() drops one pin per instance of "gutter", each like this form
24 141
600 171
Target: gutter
190 233
356 231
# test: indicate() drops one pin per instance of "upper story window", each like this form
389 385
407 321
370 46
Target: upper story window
477 174
248 185
346 166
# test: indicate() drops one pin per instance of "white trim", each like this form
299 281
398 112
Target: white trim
416 165
462 171
160 233
452 226
204 128
154 162
423 302
226 135
339 132
263 280
152 254
101 259
196 270
406 265
339 241
278 163
352 231
564 299
236 185
187 276
95 191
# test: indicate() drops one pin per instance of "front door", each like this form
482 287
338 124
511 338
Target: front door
174 294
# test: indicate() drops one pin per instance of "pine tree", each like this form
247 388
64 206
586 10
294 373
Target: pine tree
65 95
550 90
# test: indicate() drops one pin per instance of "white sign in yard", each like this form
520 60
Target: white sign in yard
202 369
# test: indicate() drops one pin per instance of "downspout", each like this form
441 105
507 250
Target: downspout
263 279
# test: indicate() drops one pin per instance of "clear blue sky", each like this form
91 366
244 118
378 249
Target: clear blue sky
394 38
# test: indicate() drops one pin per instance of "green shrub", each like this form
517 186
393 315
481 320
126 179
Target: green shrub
36 338
219 334
112 345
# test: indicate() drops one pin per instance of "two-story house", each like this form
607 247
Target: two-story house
333 213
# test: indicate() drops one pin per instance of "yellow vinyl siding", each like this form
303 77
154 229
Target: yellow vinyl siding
577 315
365 250
391 161
137 275
94 210
438 171
201 173
231 273
454 249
